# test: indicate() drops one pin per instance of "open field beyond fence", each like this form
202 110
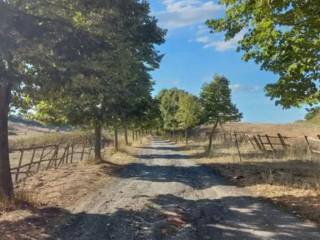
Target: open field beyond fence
25 161
279 165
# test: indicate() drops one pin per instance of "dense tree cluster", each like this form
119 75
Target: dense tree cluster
84 63
182 111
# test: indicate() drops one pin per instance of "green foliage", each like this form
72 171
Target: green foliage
189 112
169 106
216 102
283 36
313 113
179 110
41 47
83 63
112 86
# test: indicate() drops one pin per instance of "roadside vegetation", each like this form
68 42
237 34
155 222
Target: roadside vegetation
290 179
77 63
87 65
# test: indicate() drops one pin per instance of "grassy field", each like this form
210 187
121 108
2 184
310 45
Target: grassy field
290 179
21 135
291 130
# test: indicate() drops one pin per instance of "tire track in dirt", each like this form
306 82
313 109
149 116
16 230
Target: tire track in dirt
165 195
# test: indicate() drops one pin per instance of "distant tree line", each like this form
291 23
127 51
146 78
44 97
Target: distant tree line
182 111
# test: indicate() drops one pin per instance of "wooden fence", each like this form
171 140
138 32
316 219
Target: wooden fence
313 144
269 143
25 161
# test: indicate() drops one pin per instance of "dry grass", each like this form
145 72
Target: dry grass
43 200
289 178
40 139
298 129
60 187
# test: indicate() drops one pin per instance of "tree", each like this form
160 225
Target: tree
217 105
189 112
284 37
313 113
111 81
34 51
169 106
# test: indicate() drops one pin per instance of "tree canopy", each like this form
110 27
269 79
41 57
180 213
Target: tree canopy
217 104
84 63
169 106
282 36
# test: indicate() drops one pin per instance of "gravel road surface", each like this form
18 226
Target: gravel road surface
166 195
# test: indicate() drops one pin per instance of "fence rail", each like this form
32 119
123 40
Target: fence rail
26 161
268 143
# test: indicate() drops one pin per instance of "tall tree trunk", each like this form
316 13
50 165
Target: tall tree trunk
97 142
211 136
133 136
116 142
6 186
186 135
126 135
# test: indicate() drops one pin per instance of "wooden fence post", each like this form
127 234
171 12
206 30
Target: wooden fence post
308 144
67 155
41 156
284 145
257 143
62 159
250 140
238 147
19 166
261 142
72 152
56 156
82 153
89 153
31 162
269 142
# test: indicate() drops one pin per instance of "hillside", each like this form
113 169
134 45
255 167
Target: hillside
20 127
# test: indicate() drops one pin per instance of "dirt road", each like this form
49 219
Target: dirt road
167 196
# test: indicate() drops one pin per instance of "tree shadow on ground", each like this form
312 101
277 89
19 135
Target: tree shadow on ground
169 155
166 217
172 148
197 177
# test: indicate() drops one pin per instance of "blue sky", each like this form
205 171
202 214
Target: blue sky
193 56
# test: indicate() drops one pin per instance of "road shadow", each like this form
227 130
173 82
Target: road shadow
166 217
172 147
170 156
197 177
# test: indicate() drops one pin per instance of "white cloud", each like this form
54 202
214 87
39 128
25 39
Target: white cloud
186 13
183 13
237 88
221 45
216 41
